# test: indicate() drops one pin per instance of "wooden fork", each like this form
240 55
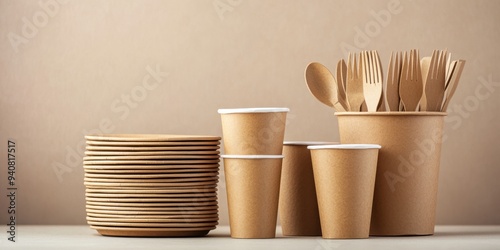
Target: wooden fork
436 81
453 82
392 85
411 87
354 86
372 79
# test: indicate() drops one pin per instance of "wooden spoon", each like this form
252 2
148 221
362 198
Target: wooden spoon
323 85
341 82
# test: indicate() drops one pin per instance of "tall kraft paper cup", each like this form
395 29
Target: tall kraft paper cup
345 180
298 206
253 131
408 167
252 186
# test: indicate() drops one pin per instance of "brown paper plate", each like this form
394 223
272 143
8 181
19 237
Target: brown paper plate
151 212
151 153
151 171
146 200
151 137
180 209
152 224
150 162
153 181
198 167
172 148
125 185
146 188
185 196
181 191
154 220
213 216
149 157
152 232
179 205
150 176
152 143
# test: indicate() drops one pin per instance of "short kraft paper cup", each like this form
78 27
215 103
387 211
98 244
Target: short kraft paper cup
345 181
408 167
253 131
298 206
252 186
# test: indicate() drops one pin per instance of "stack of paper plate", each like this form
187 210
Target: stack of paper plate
152 185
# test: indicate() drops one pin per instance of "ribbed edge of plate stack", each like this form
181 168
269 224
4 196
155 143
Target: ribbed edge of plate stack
152 185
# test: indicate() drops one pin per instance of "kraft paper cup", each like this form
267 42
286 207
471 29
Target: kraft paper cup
252 185
345 178
408 167
253 131
298 206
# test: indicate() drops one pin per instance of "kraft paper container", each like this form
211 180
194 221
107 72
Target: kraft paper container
408 167
298 206
253 131
252 185
345 181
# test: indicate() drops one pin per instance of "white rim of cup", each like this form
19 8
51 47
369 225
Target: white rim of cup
309 143
346 146
252 156
252 110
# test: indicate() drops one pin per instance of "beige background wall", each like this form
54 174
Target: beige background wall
69 76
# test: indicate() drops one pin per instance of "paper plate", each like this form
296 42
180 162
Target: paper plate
146 188
151 137
153 143
149 157
154 148
139 224
150 176
198 167
151 153
128 195
186 181
152 232
180 191
152 212
150 162
153 220
156 200
208 184
147 217
178 205
180 210
151 171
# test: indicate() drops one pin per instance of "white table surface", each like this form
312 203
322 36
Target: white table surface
82 237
